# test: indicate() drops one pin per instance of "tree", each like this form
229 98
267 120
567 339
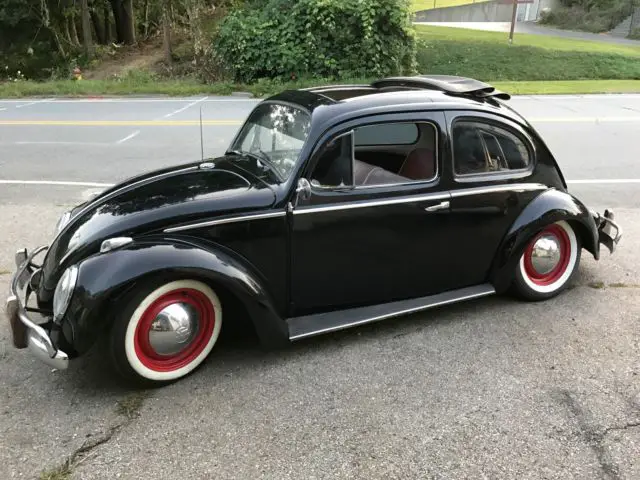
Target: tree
166 31
125 21
87 41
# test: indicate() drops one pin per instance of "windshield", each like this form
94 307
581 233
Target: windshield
275 133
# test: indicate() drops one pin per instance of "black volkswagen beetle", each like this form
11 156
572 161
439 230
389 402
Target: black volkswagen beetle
333 207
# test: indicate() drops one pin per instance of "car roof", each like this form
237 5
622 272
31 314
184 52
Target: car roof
337 103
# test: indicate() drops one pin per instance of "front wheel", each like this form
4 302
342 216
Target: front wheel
165 331
548 263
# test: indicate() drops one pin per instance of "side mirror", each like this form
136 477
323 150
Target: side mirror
303 191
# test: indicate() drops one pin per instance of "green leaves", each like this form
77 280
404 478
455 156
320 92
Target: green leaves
281 39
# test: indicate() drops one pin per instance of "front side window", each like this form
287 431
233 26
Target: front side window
393 153
275 133
480 148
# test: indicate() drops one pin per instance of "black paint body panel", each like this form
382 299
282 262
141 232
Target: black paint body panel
339 249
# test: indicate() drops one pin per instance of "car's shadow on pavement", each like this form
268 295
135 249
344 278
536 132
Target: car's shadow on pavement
239 352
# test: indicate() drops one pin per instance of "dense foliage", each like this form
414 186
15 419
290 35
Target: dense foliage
328 38
589 15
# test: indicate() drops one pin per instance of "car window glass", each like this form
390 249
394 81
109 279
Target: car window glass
387 134
335 164
277 132
395 153
484 148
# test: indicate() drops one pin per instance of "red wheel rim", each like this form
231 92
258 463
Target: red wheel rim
564 245
206 323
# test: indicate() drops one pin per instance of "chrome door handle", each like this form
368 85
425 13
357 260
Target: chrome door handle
435 208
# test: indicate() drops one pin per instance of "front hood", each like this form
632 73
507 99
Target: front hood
152 202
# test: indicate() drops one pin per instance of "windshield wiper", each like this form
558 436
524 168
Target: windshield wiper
262 157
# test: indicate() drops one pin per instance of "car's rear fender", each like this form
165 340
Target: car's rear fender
104 279
550 206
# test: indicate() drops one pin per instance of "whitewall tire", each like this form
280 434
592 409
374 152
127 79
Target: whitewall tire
166 331
548 263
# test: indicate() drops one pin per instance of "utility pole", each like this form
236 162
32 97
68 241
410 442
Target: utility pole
513 20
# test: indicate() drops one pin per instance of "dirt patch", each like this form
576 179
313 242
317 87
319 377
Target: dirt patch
116 61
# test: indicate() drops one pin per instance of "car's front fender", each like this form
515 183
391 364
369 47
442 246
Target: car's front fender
548 207
104 278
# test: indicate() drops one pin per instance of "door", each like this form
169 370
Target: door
374 226
492 165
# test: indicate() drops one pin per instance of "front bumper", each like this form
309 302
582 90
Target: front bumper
25 331
609 232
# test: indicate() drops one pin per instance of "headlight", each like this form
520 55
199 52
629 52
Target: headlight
63 292
62 222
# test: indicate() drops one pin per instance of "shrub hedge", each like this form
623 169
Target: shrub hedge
327 38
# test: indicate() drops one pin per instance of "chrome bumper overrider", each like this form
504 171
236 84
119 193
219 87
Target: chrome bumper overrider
609 232
26 333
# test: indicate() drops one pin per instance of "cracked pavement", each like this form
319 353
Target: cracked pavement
493 388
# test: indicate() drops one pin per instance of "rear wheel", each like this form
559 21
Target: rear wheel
165 331
548 263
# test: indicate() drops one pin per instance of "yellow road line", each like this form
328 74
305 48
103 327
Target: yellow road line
117 123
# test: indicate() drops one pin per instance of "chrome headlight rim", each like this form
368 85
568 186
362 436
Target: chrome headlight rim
64 291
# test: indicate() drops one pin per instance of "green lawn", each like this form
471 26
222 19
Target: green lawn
487 56
417 5
540 41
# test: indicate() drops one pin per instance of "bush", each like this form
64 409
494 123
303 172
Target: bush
327 38
591 16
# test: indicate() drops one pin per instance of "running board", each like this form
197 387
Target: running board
310 325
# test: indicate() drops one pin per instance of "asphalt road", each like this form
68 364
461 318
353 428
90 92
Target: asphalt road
490 389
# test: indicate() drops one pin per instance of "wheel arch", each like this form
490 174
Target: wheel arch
106 279
550 206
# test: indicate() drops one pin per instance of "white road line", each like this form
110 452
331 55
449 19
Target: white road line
604 181
128 137
55 183
34 102
184 108
2 109
582 119
78 144
139 100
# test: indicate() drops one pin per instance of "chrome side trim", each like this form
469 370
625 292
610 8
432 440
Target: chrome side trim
311 325
223 221
516 187
372 203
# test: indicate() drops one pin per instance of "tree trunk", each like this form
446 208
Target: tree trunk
116 6
146 18
129 24
107 25
98 26
166 30
87 40
75 41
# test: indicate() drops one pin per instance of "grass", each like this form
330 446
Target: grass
98 88
488 56
129 407
61 472
417 5
548 42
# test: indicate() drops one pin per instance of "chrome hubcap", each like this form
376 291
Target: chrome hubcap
546 254
173 329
